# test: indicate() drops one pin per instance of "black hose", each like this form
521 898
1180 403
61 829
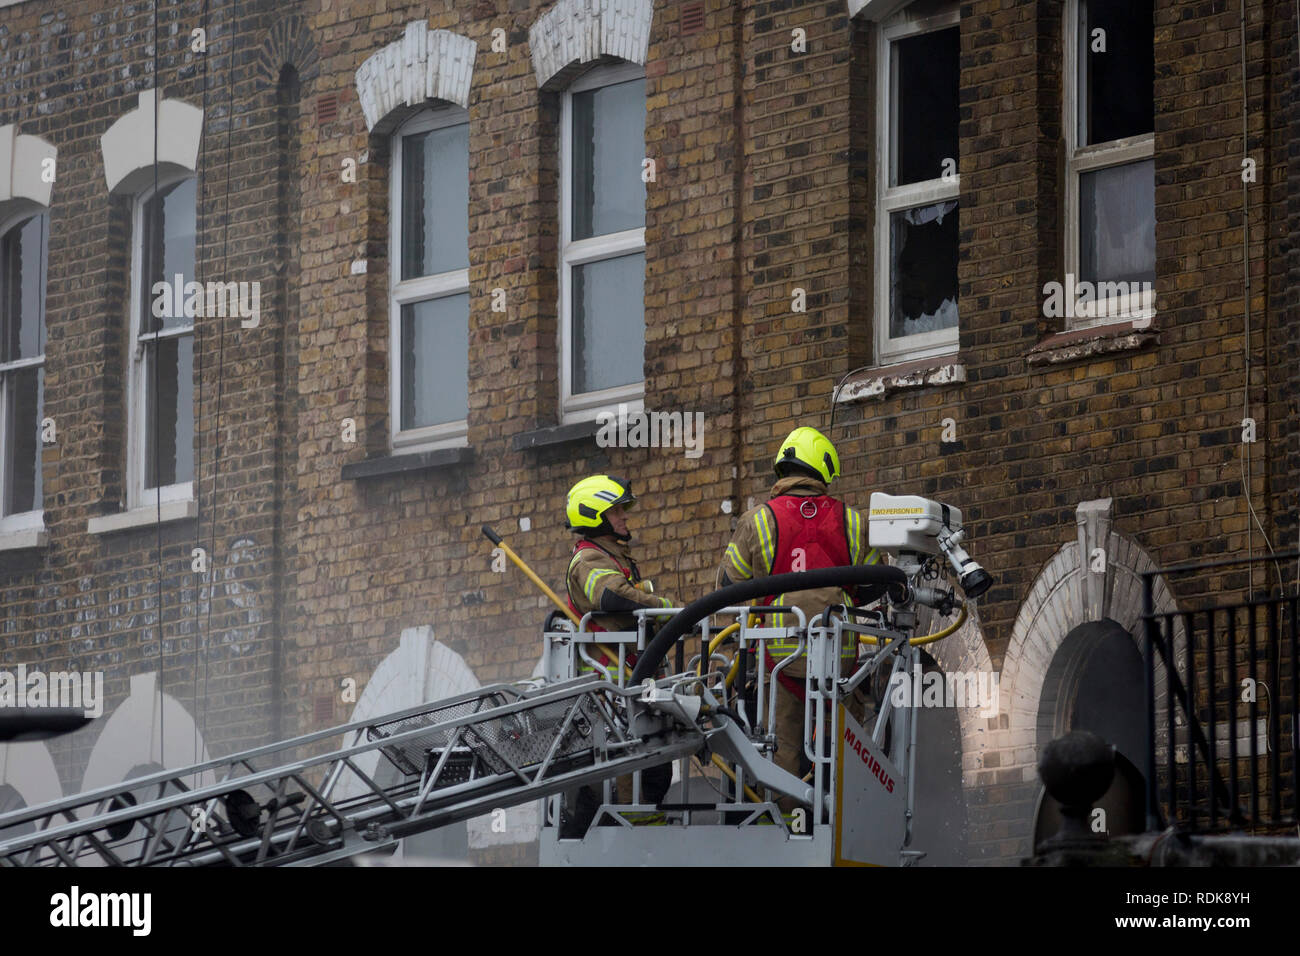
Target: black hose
885 577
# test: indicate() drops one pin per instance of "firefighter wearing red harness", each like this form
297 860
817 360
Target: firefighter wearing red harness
603 577
801 528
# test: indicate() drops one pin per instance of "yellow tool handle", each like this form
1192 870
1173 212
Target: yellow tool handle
519 563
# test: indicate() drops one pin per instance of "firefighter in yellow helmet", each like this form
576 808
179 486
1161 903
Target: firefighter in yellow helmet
603 577
800 528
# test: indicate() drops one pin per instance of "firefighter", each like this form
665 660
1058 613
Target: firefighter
800 528
603 577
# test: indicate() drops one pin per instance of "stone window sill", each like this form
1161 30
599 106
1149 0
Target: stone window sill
873 383
405 464
554 435
144 517
1080 344
23 539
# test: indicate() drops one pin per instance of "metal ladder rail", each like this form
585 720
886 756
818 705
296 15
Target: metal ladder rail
96 801
456 802
165 807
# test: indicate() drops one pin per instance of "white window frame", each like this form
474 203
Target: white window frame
1080 160
892 199
410 291
140 494
21 520
584 406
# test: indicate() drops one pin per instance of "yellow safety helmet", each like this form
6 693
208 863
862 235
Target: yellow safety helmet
810 448
590 498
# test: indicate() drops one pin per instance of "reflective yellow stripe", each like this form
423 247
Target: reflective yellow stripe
854 522
740 564
764 537
592 579
873 557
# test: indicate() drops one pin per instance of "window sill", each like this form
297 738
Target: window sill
23 540
404 464
873 383
1080 344
554 435
144 517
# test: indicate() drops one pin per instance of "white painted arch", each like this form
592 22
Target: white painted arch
422 670
29 769
148 727
579 31
423 64
25 185
1067 593
128 145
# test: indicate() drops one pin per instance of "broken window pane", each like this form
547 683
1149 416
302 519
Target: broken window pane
926 81
1116 96
169 233
169 420
608 323
1117 235
608 150
923 269
435 201
435 361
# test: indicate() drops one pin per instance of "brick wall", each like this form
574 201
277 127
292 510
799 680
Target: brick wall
765 182
91 602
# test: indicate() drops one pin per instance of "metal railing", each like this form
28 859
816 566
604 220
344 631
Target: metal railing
1221 726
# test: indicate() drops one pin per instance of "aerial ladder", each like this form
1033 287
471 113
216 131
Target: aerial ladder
321 799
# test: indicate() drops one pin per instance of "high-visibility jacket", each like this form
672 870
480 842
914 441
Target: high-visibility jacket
600 567
800 528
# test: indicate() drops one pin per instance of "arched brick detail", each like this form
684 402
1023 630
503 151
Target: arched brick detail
424 64
579 31
1065 595
288 43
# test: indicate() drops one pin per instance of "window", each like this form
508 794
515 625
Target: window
160 436
917 189
602 240
1110 236
429 313
23 264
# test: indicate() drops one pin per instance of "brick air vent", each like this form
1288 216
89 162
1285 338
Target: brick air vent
324 709
691 19
327 108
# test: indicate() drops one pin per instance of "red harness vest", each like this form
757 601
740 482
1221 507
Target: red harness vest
810 532
813 525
